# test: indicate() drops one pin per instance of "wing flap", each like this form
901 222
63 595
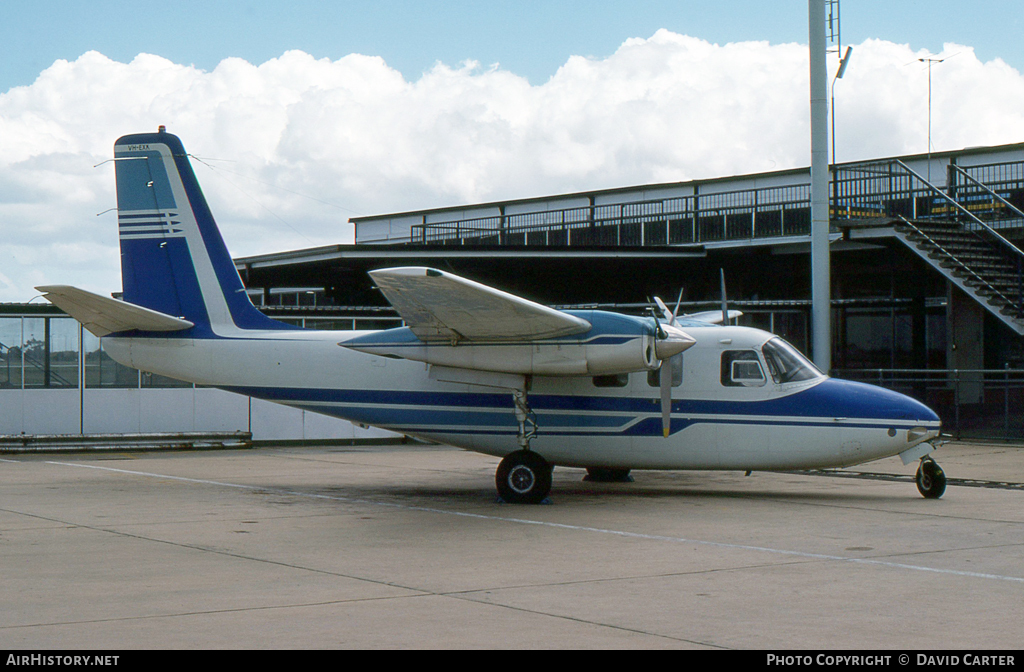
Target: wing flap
103 315
439 306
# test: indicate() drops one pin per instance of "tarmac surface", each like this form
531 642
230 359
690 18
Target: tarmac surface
407 547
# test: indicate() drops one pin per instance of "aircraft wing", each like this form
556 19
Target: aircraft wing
103 315
439 306
713 316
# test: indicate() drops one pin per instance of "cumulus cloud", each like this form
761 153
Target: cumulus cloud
292 147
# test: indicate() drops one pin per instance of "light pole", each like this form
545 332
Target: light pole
839 75
843 62
929 60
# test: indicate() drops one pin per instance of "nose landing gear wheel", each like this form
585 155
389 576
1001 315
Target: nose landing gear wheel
931 480
523 477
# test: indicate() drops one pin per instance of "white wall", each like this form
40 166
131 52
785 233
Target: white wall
184 409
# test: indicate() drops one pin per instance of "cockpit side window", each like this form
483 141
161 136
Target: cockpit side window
786 364
742 368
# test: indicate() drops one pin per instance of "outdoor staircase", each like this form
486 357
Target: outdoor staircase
985 271
957 230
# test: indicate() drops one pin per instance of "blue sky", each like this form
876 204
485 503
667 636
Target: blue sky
532 38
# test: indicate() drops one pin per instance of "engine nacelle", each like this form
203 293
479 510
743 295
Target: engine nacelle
617 344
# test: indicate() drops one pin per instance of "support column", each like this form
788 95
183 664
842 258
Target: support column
821 317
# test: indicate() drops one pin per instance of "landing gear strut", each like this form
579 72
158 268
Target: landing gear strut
526 418
931 480
524 477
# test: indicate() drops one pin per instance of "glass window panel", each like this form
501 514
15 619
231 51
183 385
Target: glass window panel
757 320
369 324
936 340
903 355
747 372
792 326
877 339
35 352
786 363
10 352
102 371
329 324
741 368
63 352
93 360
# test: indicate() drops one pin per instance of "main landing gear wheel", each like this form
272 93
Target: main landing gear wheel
931 480
523 477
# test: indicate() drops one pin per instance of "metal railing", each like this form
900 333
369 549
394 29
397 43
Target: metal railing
891 189
750 213
1005 180
885 189
973 403
964 263
970 204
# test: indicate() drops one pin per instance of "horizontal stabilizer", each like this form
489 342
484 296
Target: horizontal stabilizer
439 306
102 315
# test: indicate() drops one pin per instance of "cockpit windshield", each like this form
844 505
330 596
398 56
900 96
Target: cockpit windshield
786 363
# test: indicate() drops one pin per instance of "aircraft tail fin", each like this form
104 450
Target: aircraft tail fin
173 258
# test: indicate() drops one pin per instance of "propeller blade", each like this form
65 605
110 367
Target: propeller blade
675 312
669 316
725 308
659 333
666 396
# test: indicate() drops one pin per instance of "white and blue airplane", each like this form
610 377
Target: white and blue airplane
479 368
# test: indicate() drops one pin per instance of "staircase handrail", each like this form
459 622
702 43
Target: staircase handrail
984 186
992 232
957 261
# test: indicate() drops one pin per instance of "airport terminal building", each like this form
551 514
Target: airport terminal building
927 288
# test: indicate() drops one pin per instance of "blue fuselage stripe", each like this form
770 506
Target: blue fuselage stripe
831 404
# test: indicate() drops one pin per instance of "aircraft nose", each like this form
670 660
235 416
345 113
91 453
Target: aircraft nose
902 410
902 407
861 400
912 409
676 340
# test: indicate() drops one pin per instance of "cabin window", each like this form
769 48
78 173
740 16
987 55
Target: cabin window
617 380
742 368
676 364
